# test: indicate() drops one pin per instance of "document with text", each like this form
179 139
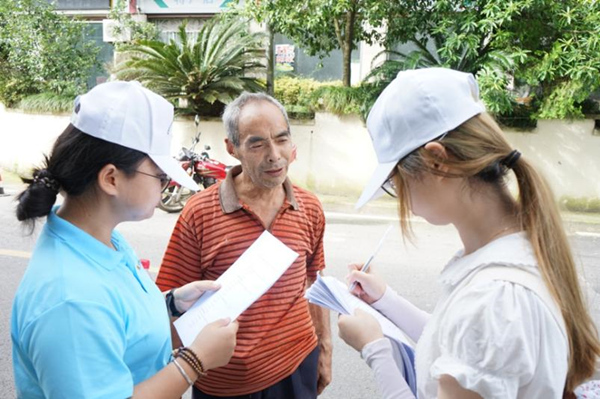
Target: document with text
241 285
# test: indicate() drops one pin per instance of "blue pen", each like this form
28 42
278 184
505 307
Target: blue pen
368 262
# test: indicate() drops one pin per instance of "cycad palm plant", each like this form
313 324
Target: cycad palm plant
206 72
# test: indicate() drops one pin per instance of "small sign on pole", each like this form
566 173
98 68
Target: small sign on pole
285 57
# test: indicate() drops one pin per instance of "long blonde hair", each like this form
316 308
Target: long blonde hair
477 149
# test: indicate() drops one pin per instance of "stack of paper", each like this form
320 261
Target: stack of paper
330 293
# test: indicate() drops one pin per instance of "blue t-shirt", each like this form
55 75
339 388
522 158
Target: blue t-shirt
86 321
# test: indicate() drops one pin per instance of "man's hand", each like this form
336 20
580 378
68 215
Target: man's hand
320 318
324 365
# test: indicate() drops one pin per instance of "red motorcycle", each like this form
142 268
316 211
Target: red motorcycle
204 170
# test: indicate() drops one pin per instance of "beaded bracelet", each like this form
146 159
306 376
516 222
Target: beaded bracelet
187 353
195 365
191 358
183 373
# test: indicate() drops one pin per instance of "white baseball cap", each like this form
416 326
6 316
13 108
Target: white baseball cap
128 114
417 107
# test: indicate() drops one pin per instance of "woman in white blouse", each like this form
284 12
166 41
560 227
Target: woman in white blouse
511 321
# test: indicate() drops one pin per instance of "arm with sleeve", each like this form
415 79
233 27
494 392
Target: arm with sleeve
402 313
379 354
379 357
316 261
72 357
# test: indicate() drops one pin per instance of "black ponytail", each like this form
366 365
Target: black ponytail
37 200
72 168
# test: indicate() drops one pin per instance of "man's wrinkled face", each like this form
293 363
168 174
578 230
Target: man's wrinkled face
265 148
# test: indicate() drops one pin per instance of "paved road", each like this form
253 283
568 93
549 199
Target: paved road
411 269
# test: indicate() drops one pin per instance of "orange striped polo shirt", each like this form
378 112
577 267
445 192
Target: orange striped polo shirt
276 333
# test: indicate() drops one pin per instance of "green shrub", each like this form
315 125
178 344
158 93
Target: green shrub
47 103
580 204
13 89
339 100
594 205
294 91
521 117
300 112
302 97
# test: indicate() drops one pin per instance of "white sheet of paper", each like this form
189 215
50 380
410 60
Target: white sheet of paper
331 293
241 285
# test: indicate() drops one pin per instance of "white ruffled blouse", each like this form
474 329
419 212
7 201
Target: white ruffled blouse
494 337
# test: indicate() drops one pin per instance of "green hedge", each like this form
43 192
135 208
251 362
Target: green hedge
338 100
47 103
293 91
302 97
580 204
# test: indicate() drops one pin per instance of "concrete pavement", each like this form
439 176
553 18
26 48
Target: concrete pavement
350 236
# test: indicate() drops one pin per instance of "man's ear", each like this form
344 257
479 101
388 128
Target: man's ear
108 179
294 153
230 148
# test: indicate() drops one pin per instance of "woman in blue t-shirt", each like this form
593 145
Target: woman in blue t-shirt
87 320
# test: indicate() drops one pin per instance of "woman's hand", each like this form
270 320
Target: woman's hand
215 344
359 329
369 287
187 295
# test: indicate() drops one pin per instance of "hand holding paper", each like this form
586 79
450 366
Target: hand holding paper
241 285
216 343
359 329
332 294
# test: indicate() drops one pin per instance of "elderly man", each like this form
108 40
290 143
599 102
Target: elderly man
283 343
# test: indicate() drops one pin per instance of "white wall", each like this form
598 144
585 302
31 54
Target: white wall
566 153
334 153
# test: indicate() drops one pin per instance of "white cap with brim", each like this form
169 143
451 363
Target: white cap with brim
128 114
417 107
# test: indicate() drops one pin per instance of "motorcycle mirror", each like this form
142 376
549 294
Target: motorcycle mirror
207 147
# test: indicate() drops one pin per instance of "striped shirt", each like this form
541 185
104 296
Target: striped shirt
276 333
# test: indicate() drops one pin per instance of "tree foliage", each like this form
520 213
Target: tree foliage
546 49
206 71
128 27
321 26
41 51
541 54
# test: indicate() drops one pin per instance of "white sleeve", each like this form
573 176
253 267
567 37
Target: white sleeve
490 338
402 313
379 357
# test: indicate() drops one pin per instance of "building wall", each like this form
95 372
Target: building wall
81 4
334 153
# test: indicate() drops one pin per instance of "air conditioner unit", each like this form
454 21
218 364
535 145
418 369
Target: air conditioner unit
109 26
